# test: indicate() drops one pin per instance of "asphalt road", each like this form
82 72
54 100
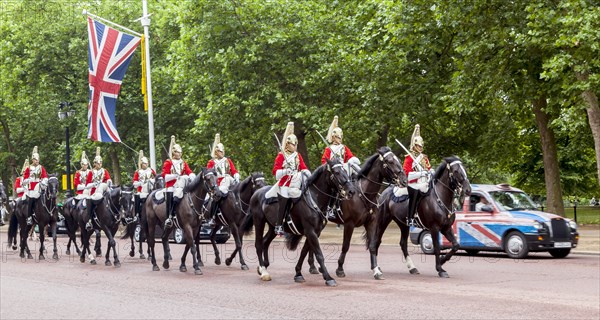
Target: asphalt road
481 287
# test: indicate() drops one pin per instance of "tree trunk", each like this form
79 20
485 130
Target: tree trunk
593 112
549 154
116 167
302 149
383 134
12 162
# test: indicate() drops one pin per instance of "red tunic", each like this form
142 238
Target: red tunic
136 177
17 186
327 154
79 180
169 169
221 175
285 180
408 165
33 183
90 178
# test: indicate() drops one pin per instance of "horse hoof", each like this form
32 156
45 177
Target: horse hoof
228 262
155 268
379 276
198 272
29 256
414 271
200 263
218 261
443 274
42 257
166 264
244 267
340 273
14 248
68 252
266 277
142 256
98 253
258 270
313 270
55 256
131 253
93 262
299 279
108 263
117 264
331 283
183 269
82 259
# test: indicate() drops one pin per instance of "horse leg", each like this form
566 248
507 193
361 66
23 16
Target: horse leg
190 241
435 237
141 250
151 255
182 267
266 243
24 232
312 269
298 277
98 244
166 249
348 230
54 250
213 235
42 230
313 241
449 234
237 236
259 228
371 229
198 252
132 251
404 233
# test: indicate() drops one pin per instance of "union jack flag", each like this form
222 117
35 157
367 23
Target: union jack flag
109 54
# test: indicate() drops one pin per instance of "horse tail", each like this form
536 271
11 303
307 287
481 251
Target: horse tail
292 241
143 223
248 223
12 227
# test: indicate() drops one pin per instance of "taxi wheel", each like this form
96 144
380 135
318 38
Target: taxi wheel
178 236
426 242
515 245
136 234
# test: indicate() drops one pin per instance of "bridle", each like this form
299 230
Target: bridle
50 192
335 180
453 186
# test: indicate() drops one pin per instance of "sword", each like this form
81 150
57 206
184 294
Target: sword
278 143
410 154
320 135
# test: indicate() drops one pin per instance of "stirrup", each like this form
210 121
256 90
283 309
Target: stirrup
279 230
168 223
89 226
211 222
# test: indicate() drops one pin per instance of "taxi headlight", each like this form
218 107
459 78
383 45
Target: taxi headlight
538 225
573 224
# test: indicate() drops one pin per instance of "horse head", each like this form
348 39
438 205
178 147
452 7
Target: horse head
457 175
126 201
392 167
339 178
159 183
258 181
51 191
207 178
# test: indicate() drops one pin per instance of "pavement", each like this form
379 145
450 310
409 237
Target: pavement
589 237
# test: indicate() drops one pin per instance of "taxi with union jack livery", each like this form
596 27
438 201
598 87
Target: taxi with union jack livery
509 221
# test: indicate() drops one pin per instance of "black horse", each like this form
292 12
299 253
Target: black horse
4 205
107 219
361 209
434 211
188 218
129 219
233 211
305 219
72 210
45 213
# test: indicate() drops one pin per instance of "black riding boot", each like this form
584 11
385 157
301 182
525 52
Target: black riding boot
169 204
137 205
413 198
90 209
30 203
214 205
284 206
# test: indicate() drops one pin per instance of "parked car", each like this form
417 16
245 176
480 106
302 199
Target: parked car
61 226
177 235
511 222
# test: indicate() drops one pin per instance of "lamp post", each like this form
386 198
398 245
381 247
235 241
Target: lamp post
64 112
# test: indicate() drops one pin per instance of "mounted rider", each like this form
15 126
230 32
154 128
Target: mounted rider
340 151
418 170
35 178
176 173
98 181
143 180
226 174
81 177
288 169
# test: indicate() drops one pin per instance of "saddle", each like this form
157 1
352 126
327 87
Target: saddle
158 197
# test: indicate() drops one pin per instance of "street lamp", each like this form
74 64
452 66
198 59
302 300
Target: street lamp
64 112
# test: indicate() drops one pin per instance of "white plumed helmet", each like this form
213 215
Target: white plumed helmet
142 159
334 130
25 165
84 159
174 147
416 138
217 146
98 158
35 155
289 136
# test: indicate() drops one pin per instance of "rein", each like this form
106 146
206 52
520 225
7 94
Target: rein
456 191
49 208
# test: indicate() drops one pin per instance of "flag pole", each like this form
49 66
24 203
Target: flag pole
85 12
145 20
